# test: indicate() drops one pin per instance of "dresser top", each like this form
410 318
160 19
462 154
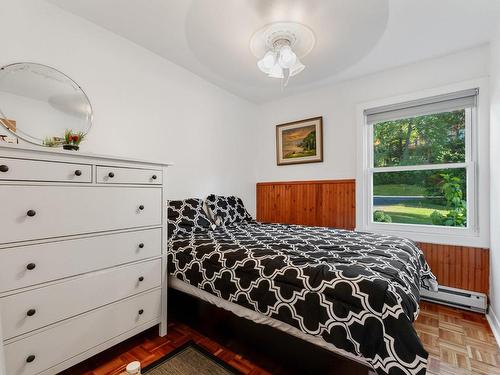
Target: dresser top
28 151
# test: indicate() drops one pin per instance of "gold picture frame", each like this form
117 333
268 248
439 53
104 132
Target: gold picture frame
5 136
300 142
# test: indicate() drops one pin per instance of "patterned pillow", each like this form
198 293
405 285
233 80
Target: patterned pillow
187 216
227 210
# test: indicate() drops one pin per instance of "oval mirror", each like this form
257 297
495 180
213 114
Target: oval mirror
39 103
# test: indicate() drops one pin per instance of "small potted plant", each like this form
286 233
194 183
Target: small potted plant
72 140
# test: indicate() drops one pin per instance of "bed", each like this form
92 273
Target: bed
354 293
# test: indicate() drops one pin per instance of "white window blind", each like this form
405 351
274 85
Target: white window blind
435 104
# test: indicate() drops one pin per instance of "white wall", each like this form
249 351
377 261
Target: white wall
495 185
145 106
337 104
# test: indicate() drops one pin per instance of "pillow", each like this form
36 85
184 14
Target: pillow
227 210
187 216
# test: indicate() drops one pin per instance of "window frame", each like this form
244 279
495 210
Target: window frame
467 236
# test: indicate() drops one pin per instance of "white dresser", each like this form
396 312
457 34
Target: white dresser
82 255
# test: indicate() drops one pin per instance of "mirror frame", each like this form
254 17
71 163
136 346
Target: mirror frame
63 74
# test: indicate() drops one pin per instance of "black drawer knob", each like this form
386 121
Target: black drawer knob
141 207
30 358
141 311
4 168
31 312
141 245
111 175
141 278
154 177
31 266
31 213
78 172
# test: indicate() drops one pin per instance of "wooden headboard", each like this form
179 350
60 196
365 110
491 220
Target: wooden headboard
328 203
332 203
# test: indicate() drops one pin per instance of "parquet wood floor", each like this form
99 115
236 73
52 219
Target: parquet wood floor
148 347
458 342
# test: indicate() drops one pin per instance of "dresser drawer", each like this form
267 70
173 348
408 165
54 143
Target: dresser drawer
56 260
27 311
35 170
115 175
35 212
79 334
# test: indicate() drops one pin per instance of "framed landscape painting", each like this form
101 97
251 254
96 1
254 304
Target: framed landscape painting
300 141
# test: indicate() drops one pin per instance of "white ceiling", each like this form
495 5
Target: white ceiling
353 37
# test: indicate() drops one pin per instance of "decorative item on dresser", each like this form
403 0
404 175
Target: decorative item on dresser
6 135
82 255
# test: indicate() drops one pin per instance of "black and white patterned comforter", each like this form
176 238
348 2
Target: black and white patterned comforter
357 291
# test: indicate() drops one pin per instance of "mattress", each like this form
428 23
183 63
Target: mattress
357 292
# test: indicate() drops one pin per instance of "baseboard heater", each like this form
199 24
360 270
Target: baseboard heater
459 298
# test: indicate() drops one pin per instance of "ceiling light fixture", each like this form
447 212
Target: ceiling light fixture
281 62
280 47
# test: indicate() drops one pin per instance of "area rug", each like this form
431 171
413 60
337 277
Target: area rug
189 359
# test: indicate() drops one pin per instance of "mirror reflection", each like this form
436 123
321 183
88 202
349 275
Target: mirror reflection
39 104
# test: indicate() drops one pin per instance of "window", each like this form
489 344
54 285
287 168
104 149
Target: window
420 173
